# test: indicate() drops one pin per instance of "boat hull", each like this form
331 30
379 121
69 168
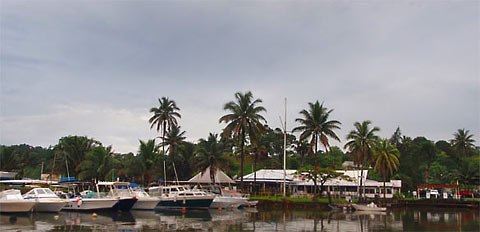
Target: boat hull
124 204
366 208
49 205
216 204
227 202
90 204
185 203
146 203
16 206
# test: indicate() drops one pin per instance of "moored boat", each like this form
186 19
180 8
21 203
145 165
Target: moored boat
229 199
45 200
122 194
144 200
369 207
11 201
179 196
80 203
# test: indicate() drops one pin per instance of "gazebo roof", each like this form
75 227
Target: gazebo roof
204 178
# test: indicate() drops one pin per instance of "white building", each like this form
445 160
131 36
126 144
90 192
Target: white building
271 180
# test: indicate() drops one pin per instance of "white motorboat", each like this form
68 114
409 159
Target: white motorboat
11 201
179 196
80 203
229 199
45 200
144 200
86 200
118 191
369 207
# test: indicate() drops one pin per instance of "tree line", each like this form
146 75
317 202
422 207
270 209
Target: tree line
248 143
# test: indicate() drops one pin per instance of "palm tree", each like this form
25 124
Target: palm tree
462 140
98 164
301 148
360 144
186 152
259 148
429 153
243 120
173 139
148 155
164 118
386 161
72 150
317 126
210 154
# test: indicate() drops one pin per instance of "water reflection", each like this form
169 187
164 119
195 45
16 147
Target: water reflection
248 220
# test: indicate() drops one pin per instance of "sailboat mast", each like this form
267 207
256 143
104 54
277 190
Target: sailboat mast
285 152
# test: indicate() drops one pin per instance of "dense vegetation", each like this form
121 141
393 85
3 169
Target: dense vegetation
247 143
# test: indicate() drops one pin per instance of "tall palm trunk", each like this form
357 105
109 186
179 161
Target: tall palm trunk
316 152
361 183
315 166
255 172
241 159
164 155
384 188
212 174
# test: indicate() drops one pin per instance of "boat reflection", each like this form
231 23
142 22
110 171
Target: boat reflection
247 219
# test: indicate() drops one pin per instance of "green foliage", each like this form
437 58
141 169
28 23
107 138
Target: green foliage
98 164
149 159
210 153
243 121
316 125
8 160
71 151
462 141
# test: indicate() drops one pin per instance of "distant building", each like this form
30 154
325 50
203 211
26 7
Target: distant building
271 180
350 165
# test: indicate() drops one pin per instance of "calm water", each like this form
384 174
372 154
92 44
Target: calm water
249 220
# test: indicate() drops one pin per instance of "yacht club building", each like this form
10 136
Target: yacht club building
271 181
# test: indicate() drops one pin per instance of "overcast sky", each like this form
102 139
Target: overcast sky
95 68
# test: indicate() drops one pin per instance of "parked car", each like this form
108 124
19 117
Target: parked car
434 193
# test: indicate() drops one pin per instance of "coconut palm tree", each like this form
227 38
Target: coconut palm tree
210 154
173 139
98 164
386 160
164 118
301 148
360 145
148 155
72 151
259 148
243 120
316 125
462 141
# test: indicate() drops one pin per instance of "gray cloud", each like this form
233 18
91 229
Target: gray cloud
97 68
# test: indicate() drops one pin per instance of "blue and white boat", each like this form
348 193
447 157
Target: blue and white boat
116 190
